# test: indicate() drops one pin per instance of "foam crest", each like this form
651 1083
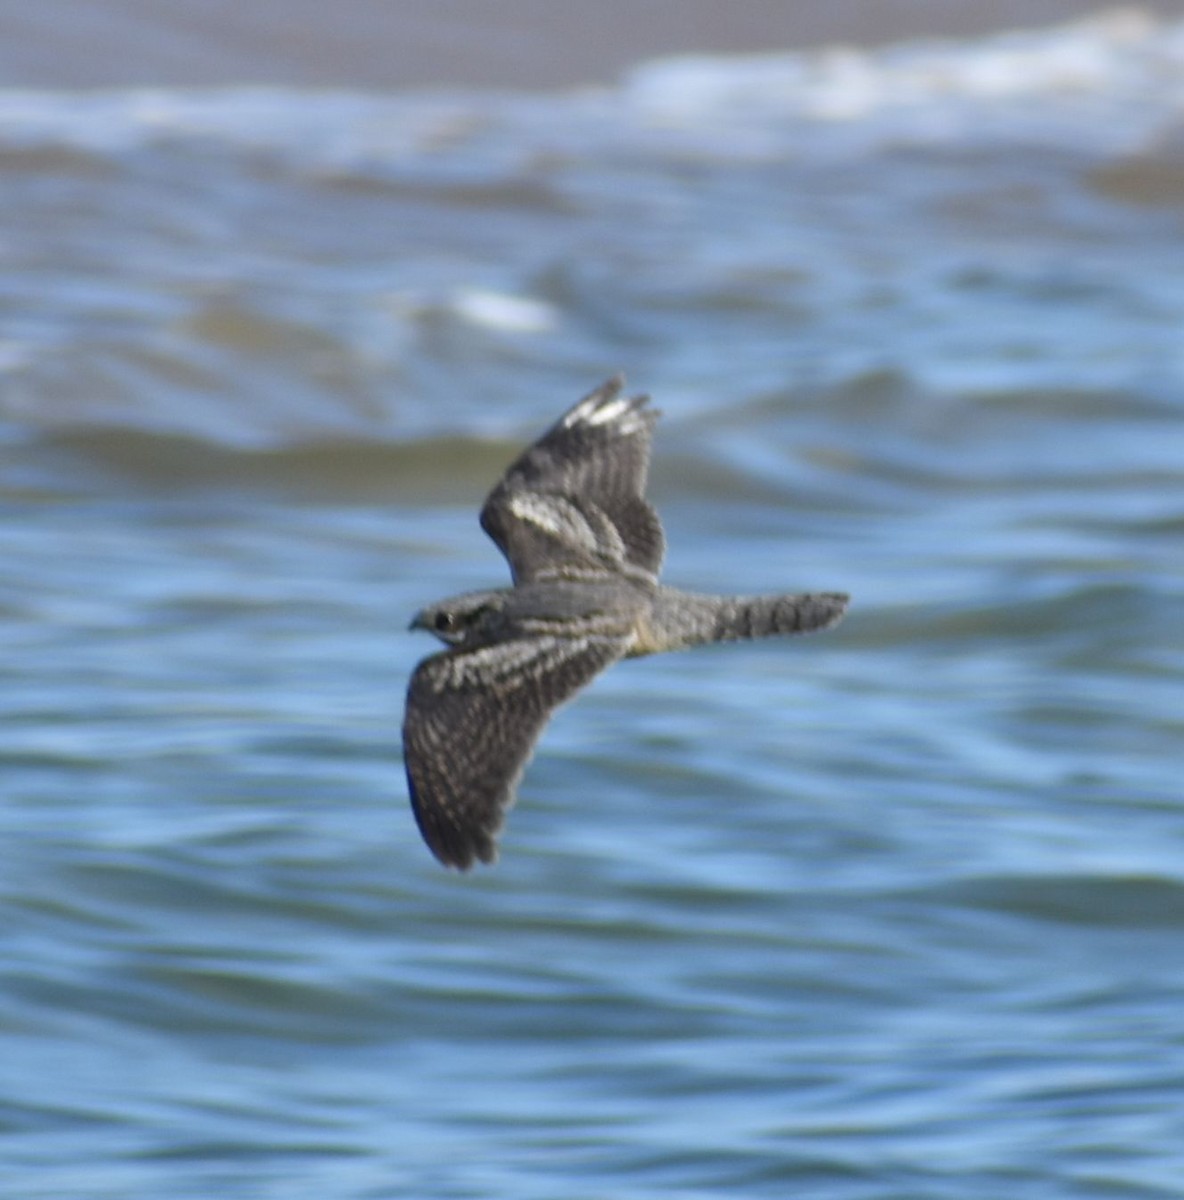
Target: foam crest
1124 68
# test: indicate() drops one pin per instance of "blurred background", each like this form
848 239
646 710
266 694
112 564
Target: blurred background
894 912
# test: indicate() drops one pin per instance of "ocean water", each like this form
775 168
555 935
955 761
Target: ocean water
893 913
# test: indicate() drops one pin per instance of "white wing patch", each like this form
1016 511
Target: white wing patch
595 410
607 413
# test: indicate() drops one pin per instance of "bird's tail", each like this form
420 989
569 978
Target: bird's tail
686 619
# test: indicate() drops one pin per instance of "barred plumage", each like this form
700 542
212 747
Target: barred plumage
585 548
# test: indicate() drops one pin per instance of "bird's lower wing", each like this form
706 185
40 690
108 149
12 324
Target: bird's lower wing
472 719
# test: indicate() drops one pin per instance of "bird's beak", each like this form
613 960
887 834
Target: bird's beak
418 622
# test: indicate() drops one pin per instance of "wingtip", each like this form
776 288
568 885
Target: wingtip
607 405
597 401
459 851
464 856
606 392
456 844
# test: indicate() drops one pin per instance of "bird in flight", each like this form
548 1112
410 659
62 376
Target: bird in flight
584 547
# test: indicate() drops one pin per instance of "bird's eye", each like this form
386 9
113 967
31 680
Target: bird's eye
445 622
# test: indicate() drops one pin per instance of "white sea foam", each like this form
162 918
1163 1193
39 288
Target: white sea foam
503 312
1107 54
1047 85
252 266
1111 80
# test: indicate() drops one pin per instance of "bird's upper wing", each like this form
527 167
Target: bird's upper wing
472 719
574 501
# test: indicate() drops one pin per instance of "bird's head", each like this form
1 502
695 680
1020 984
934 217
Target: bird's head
467 620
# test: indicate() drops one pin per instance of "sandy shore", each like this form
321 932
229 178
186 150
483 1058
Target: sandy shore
395 44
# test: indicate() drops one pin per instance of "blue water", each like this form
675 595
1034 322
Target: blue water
894 912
